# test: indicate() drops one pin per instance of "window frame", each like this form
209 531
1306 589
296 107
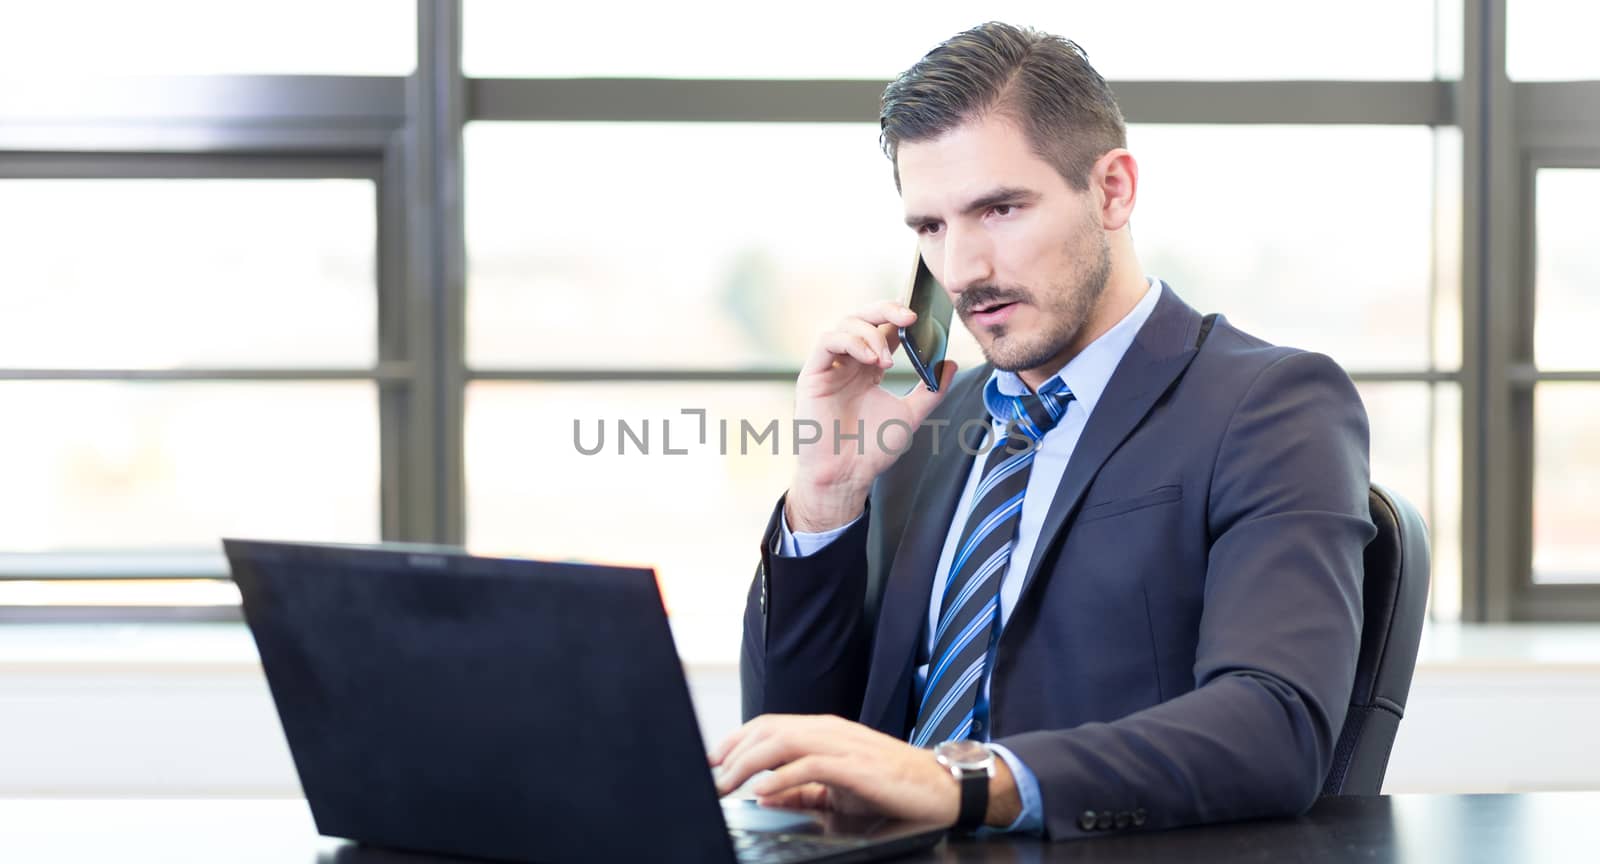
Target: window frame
406 132
1530 600
267 127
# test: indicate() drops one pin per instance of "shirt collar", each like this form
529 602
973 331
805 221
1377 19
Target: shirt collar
1087 374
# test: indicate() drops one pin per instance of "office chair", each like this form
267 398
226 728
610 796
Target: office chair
1395 593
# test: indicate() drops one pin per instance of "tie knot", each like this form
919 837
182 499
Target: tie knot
1035 414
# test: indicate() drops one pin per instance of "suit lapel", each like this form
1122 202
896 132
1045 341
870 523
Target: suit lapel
910 584
1159 354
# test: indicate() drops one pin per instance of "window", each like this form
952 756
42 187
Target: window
74 38
728 246
1273 227
282 275
1416 452
202 397
695 517
164 465
1566 417
1566 505
1547 40
1567 278
188 273
706 245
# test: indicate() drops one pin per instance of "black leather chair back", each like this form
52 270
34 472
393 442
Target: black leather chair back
1395 595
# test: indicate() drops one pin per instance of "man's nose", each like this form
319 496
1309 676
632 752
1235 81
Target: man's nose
968 261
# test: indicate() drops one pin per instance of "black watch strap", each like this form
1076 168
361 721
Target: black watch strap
974 800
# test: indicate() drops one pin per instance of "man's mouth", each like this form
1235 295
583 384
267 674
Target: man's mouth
991 313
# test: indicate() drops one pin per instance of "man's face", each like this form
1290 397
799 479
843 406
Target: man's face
1023 256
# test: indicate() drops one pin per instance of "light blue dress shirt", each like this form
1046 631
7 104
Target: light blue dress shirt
1086 375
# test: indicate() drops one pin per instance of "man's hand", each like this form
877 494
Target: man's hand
838 390
822 762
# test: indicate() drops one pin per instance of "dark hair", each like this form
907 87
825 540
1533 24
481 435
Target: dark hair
1042 82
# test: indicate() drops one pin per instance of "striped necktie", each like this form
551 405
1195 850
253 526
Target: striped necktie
969 610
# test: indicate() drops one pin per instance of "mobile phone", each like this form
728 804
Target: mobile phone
927 338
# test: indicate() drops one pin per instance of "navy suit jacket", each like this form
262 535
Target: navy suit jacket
1185 643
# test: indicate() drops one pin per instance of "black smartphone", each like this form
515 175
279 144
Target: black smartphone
927 338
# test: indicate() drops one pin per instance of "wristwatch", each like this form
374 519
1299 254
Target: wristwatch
972 764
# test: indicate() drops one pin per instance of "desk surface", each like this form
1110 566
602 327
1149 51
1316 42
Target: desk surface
1543 827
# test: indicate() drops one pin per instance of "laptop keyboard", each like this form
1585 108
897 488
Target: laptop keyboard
771 847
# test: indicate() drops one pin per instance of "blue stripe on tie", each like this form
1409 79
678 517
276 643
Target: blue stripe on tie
967 679
1000 514
936 716
958 644
961 640
1051 405
1024 420
1000 472
998 559
959 733
962 728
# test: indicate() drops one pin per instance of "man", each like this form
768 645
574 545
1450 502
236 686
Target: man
1145 600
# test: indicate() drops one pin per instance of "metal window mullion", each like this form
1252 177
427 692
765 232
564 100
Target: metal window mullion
1423 376
394 397
189 117
1489 274
1425 103
206 99
435 303
1552 116
278 138
68 165
1524 377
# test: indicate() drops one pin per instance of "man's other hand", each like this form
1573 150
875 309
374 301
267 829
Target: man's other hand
823 762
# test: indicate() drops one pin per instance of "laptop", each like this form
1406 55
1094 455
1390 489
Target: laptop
505 709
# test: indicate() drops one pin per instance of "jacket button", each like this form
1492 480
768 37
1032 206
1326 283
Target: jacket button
1086 820
1106 820
1123 818
1139 817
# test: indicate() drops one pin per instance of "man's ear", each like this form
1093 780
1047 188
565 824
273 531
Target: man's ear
1115 177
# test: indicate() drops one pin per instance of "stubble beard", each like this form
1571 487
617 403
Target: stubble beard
1064 315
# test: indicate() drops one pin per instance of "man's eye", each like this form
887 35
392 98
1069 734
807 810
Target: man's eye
1002 209
930 228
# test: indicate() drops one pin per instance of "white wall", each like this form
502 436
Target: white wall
181 711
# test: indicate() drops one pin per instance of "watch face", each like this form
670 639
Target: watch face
964 754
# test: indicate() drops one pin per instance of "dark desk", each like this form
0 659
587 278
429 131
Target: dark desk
1537 828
